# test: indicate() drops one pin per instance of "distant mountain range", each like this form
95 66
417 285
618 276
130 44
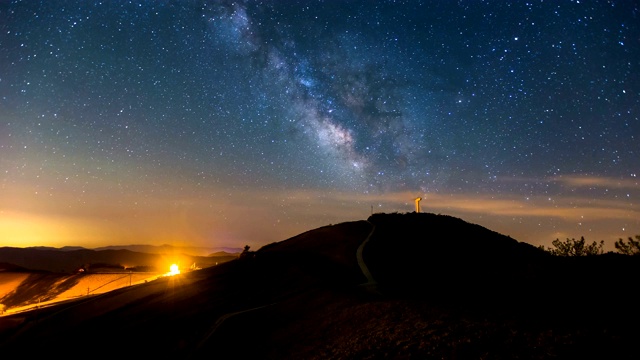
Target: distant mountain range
70 259
170 249
151 249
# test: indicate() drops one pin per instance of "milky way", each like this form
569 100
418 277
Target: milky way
178 121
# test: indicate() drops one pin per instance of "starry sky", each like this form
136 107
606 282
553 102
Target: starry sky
225 123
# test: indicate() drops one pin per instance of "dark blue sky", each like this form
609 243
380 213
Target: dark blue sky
224 123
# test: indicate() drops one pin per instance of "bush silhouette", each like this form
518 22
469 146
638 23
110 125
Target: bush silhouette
630 248
573 247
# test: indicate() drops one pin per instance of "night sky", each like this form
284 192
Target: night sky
226 123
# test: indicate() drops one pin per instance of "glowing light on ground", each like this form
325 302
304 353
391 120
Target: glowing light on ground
173 270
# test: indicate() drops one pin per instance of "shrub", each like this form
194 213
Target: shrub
630 248
573 247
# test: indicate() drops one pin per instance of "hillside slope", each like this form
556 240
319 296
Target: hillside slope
447 289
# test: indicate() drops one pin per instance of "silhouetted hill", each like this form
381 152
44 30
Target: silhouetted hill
64 248
446 289
451 256
450 261
67 261
172 250
224 253
6 267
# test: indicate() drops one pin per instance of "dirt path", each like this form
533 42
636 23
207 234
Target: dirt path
224 317
371 284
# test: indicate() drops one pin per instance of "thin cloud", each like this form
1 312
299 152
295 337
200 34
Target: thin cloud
598 182
567 208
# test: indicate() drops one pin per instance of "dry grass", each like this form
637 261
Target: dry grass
10 281
25 291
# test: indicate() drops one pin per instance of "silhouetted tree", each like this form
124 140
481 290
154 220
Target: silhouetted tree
630 248
573 247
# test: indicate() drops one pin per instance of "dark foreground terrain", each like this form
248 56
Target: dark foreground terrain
444 289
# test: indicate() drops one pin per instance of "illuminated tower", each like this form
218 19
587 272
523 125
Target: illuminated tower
418 204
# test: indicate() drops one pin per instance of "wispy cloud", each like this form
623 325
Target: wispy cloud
598 182
563 207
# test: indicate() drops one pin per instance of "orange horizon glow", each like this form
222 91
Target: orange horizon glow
256 218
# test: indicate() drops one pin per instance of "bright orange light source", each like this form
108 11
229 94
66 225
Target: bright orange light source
173 270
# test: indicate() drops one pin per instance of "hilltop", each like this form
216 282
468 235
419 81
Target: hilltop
444 288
